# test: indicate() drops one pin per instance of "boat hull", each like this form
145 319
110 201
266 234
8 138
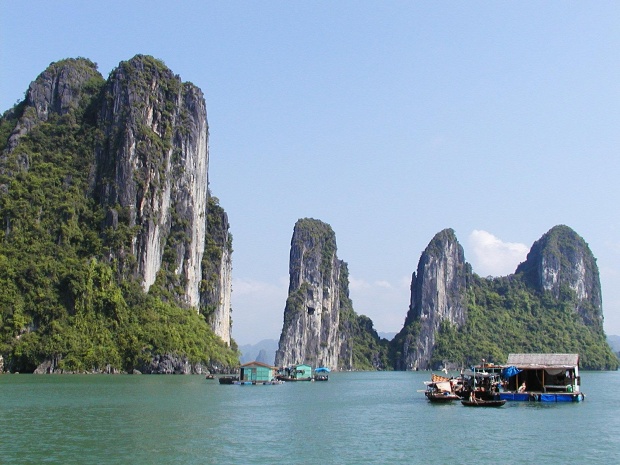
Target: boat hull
290 379
442 398
542 397
483 403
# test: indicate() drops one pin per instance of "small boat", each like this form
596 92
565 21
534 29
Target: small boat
295 373
228 379
483 403
321 374
441 389
441 397
210 376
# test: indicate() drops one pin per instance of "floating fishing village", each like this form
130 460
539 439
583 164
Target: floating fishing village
524 378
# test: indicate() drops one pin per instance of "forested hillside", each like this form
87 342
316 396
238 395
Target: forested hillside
71 298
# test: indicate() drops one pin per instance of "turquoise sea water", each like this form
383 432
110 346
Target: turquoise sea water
354 418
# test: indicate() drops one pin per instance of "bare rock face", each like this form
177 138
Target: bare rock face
437 294
311 317
152 172
561 260
216 284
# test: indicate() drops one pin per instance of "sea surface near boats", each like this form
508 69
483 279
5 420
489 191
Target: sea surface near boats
355 418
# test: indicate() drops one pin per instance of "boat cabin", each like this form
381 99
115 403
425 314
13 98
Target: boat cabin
295 373
542 377
303 372
256 372
482 381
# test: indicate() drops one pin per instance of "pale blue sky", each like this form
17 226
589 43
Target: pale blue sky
388 120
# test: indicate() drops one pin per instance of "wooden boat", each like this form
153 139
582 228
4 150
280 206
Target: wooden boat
441 397
483 403
228 379
291 378
441 389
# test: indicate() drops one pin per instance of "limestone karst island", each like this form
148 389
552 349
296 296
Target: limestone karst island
117 258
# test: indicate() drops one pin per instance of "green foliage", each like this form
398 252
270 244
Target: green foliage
61 298
506 316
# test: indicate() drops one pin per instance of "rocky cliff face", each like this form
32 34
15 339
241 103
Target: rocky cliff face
152 170
437 294
560 273
216 284
561 261
320 326
104 195
311 317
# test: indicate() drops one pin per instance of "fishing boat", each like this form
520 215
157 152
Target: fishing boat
321 374
440 397
483 403
482 382
442 389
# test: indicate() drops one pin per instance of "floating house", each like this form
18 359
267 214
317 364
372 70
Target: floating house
256 373
295 373
542 377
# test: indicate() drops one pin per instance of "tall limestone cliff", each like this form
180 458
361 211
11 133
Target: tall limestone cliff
104 184
437 295
311 316
552 303
320 327
152 167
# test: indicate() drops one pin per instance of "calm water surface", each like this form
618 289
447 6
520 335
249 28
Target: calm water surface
354 418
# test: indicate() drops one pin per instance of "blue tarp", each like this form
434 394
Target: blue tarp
510 371
322 370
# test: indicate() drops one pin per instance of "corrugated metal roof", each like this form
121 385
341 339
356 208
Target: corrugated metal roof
543 360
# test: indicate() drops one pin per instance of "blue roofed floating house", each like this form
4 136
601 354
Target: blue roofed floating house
321 374
542 377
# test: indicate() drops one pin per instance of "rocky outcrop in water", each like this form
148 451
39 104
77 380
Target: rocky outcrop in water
311 316
525 311
320 327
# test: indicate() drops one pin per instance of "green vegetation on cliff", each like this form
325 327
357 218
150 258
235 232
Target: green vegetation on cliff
61 299
506 316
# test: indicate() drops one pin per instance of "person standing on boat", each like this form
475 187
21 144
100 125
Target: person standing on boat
522 388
